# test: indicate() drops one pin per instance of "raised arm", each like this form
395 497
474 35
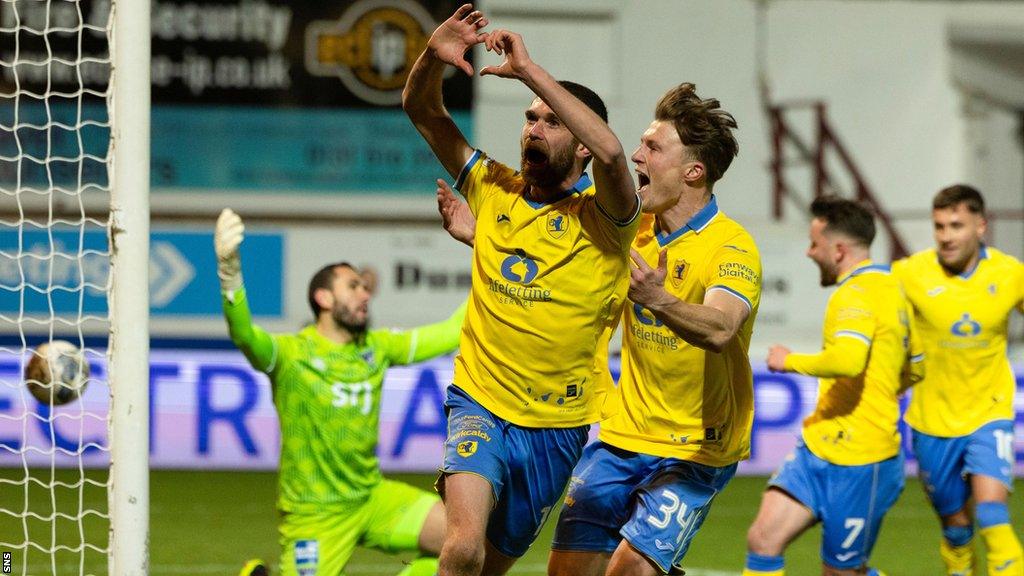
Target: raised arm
422 99
430 341
616 191
257 345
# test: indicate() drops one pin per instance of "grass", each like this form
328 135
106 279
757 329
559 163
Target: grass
210 522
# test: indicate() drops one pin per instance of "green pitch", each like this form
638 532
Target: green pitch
210 522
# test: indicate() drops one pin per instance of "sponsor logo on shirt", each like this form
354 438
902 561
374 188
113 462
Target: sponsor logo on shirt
965 326
519 270
738 270
646 331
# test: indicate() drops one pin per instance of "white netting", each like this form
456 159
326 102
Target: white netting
54 279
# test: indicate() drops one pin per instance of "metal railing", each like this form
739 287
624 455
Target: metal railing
817 155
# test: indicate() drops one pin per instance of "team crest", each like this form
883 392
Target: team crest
558 225
466 449
678 272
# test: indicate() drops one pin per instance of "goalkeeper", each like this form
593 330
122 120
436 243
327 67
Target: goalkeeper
327 388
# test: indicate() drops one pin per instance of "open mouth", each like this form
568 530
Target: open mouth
534 156
642 179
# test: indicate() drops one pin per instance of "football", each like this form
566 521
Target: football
57 373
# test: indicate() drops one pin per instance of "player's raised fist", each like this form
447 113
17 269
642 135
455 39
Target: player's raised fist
456 35
227 237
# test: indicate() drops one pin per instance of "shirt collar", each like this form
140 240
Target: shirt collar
863 267
697 223
582 184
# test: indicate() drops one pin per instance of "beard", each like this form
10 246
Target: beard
957 264
553 172
828 277
347 320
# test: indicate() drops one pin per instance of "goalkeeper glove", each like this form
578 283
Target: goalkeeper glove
226 238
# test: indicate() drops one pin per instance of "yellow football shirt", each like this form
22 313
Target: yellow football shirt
676 400
963 320
855 419
549 281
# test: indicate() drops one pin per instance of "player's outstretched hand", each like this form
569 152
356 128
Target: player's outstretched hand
458 220
517 59
646 284
227 237
777 358
456 35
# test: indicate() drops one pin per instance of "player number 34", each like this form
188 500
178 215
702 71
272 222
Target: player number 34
672 506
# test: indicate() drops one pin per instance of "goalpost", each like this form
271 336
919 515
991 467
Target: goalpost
129 296
74 263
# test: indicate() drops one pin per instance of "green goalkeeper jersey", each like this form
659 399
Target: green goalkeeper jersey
327 397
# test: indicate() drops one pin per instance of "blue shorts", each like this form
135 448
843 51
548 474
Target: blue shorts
656 504
945 463
849 501
528 468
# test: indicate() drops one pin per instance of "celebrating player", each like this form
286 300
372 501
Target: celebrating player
549 279
671 437
963 293
848 470
327 388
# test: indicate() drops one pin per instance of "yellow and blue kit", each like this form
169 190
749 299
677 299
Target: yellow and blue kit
680 418
676 400
962 414
868 336
963 320
549 281
848 469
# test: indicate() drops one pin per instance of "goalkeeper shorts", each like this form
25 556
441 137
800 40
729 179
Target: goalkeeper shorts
321 544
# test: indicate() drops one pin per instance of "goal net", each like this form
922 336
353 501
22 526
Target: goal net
61 218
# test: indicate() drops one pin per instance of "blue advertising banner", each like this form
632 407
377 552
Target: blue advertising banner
209 409
66 271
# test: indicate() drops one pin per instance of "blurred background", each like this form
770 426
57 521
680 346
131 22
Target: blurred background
288 112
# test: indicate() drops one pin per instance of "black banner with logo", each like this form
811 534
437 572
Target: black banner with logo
296 54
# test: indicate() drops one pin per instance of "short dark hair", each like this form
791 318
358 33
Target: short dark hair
322 280
587 96
703 127
845 217
953 196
